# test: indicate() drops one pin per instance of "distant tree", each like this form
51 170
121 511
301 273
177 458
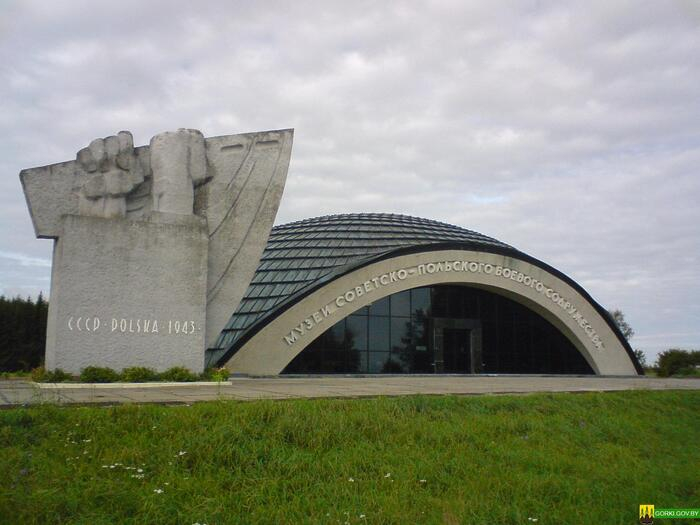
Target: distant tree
678 362
641 358
623 325
627 332
22 333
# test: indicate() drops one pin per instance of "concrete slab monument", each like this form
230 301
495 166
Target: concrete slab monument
154 246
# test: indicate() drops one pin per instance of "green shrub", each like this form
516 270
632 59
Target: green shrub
215 374
177 374
98 374
672 361
138 374
57 376
689 371
39 374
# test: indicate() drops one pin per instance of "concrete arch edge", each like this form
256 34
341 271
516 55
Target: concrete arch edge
277 339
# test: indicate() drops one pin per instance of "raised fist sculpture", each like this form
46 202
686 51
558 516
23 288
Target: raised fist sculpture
187 210
179 164
117 173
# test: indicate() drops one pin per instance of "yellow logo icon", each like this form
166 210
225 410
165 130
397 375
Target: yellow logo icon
646 514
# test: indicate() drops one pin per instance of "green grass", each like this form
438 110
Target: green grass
561 458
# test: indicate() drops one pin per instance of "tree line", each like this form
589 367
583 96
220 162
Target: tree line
22 333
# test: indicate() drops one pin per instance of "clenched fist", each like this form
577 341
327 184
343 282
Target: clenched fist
117 173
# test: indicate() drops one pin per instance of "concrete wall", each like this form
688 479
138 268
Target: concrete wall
240 203
126 293
270 350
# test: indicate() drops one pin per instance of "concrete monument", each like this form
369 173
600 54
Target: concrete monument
154 246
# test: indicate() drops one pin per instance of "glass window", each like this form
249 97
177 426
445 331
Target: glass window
455 302
379 333
377 360
356 331
394 365
363 366
513 338
334 359
401 304
335 335
471 303
438 301
362 311
380 307
400 333
420 339
420 301
353 361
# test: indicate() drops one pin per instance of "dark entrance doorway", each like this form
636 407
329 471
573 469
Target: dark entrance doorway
456 346
456 351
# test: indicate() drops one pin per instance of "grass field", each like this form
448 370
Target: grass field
556 459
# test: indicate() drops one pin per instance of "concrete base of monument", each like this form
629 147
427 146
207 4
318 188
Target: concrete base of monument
164 384
128 293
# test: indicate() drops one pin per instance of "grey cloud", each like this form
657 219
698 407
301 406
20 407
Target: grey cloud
569 130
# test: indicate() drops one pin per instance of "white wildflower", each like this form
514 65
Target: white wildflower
422 481
351 480
387 475
158 491
139 470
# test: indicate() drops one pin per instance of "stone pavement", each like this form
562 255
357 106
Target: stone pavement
17 393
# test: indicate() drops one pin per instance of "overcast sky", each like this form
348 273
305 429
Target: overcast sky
570 130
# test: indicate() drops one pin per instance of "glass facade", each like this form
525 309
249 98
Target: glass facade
443 329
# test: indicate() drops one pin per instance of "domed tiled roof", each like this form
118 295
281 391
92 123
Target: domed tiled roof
301 254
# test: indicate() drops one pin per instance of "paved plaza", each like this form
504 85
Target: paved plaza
18 393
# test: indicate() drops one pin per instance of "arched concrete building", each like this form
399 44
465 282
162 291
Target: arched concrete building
379 293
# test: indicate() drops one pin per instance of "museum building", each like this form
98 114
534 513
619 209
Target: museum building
392 294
